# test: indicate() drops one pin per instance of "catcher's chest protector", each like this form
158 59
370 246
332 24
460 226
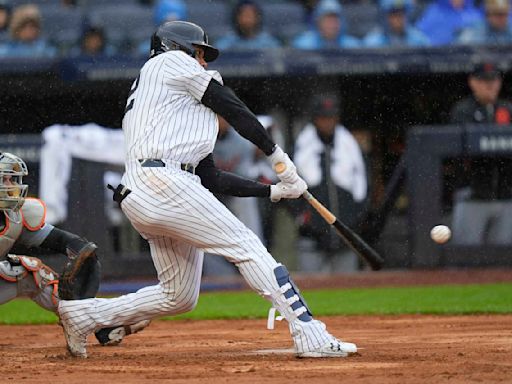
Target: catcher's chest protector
31 217
10 232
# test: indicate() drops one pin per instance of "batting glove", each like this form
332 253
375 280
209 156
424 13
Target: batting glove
289 174
287 191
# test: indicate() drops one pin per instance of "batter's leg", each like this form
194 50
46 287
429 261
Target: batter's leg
179 268
198 218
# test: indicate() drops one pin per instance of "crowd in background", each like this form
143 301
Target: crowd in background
96 28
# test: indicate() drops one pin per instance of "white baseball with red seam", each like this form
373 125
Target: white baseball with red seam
440 234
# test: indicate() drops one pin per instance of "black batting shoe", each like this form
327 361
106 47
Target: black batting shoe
114 335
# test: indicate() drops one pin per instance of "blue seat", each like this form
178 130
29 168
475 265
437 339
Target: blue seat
61 26
122 24
17 3
284 20
209 14
360 18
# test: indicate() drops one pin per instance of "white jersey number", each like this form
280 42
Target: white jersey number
129 102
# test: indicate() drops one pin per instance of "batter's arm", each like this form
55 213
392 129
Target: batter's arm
226 183
222 100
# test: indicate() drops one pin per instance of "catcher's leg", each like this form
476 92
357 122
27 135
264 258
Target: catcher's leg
28 277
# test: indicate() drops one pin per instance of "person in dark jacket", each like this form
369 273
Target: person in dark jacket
483 210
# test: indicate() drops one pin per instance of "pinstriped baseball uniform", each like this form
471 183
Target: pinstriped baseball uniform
180 218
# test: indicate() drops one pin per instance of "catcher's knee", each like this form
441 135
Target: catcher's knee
30 274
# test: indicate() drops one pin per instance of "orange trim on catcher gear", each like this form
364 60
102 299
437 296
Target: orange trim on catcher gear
14 279
55 293
7 224
43 219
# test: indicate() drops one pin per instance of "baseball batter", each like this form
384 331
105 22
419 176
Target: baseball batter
170 128
22 223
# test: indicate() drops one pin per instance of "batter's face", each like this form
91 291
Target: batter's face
199 56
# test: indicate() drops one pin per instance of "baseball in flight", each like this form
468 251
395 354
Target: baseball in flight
440 234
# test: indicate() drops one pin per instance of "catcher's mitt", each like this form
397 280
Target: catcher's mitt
80 278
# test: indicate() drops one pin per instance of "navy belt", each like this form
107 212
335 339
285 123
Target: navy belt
155 163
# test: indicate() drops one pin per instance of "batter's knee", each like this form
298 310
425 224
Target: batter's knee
179 302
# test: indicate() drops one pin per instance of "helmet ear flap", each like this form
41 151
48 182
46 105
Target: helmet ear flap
156 45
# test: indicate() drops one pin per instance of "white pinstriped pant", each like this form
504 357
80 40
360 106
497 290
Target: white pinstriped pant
181 219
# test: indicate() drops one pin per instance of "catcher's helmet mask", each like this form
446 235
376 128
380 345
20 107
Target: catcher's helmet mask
183 36
12 190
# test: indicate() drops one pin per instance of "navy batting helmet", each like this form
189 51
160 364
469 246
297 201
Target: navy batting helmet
183 36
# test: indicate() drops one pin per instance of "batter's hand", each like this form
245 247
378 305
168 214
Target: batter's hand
289 175
287 191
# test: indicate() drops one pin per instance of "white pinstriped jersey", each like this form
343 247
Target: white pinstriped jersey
165 118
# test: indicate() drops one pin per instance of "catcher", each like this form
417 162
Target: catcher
22 223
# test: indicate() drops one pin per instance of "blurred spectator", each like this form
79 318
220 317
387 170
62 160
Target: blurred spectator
395 30
483 211
25 33
330 160
247 31
165 10
233 153
443 20
68 3
169 10
496 29
483 106
329 30
5 15
93 43
262 171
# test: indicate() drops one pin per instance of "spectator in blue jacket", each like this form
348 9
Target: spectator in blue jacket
496 29
329 31
248 32
93 44
165 10
25 35
395 30
170 10
443 20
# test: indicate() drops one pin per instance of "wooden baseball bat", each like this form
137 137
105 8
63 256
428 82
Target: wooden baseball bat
349 237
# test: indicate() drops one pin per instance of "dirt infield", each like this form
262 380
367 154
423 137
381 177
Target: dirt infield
405 349
393 349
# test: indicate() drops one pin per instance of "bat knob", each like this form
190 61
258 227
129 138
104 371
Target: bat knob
280 167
